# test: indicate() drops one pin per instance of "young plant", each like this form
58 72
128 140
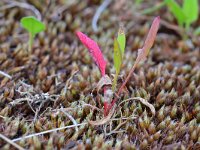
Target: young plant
119 47
186 14
33 26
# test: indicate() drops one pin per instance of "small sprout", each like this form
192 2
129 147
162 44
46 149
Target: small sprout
33 26
117 62
119 48
121 38
186 14
143 52
176 11
191 10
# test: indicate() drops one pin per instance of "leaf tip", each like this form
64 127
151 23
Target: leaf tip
78 34
156 21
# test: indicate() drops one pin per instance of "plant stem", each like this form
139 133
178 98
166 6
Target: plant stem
115 81
30 42
124 83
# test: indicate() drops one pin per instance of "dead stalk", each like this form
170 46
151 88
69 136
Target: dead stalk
48 131
11 142
5 74
143 101
27 6
70 117
98 14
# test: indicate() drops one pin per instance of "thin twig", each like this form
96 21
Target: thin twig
115 132
48 108
104 120
98 13
143 101
93 107
22 5
38 110
48 131
70 78
11 142
117 128
5 74
25 84
70 117
19 101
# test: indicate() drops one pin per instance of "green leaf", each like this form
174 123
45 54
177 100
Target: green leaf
121 39
32 24
117 57
190 9
177 11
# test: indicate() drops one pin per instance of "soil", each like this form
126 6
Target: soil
55 85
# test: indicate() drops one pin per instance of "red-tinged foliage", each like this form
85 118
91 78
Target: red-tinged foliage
94 51
107 107
99 60
150 38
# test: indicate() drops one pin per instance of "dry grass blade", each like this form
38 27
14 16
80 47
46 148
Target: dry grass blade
5 74
105 119
24 5
98 13
70 117
11 142
48 131
143 101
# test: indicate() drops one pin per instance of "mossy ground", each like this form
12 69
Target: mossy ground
56 83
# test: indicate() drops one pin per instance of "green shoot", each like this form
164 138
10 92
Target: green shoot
185 15
119 48
177 11
190 9
33 26
117 62
121 40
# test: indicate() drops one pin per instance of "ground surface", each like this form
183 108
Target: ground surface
55 85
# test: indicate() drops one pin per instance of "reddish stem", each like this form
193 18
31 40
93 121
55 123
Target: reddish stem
124 83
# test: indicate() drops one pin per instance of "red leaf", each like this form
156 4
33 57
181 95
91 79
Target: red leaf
94 51
151 36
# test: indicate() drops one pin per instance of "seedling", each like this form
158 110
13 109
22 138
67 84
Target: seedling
119 47
33 26
185 14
